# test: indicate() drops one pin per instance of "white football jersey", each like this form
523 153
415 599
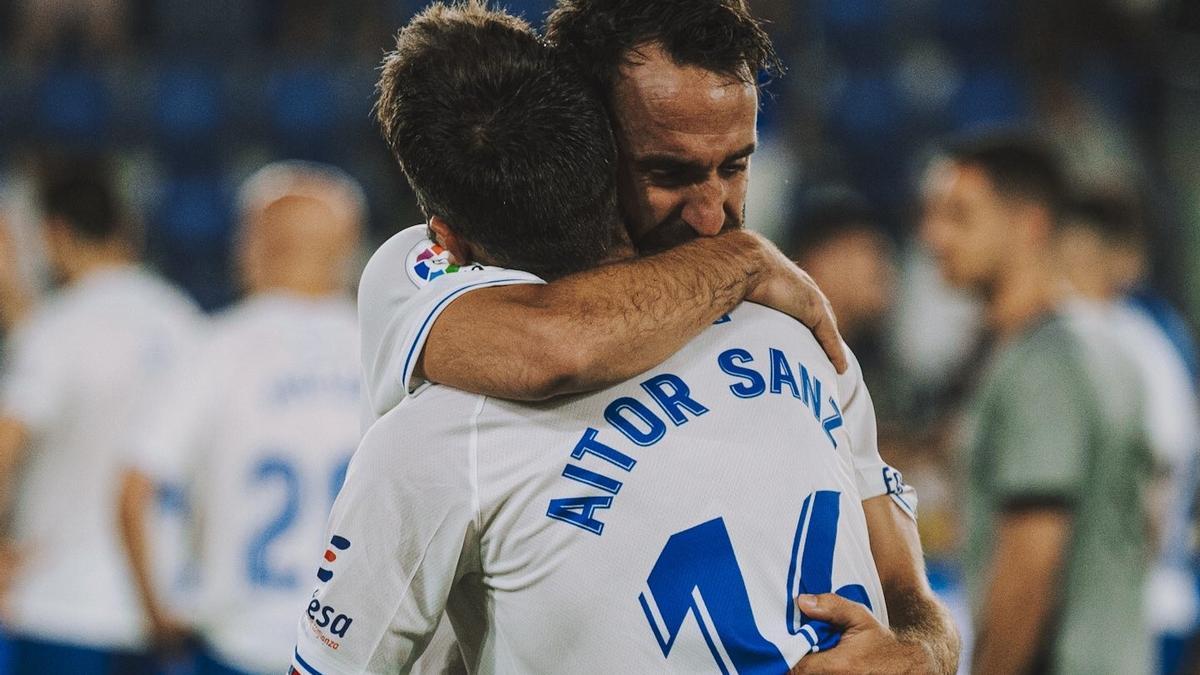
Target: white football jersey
405 286
261 434
661 525
82 376
1171 408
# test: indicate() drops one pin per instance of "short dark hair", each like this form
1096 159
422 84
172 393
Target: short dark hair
499 136
1019 164
721 36
80 193
828 212
1113 214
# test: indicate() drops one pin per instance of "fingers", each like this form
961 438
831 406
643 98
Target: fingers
830 340
820 662
845 614
824 324
794 292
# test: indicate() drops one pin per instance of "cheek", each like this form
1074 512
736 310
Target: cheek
660 203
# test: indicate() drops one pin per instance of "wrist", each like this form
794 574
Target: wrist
753 254
916 656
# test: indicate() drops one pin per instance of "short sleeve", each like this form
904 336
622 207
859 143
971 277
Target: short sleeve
1040 427
175 432
874 476
406 285
400 535
34 388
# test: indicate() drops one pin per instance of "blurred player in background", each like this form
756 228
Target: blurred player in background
80 378
1103 249
261 432
1058 461
839 241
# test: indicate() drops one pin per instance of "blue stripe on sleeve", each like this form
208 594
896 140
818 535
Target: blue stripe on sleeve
408 360
303 664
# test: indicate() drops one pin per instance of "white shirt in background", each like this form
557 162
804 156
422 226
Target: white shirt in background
260 435
82 375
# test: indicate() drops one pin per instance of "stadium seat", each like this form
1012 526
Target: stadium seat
191 234
195 211
304 113
189 108
867 113
989 96
73 107
212 30
857 29
976 27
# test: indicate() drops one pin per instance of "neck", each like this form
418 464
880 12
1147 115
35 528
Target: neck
1092 287
93 259
307 288
1021 297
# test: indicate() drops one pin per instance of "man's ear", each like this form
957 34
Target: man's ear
444 235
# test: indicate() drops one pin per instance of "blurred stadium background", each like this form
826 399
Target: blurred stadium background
189 97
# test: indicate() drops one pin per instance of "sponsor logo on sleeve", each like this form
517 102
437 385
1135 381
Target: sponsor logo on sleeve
428 261
327 623
338 544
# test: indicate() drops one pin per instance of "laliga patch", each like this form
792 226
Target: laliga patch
428 261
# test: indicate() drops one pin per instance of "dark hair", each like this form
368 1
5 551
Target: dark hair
718 35
499 137
79 192
828 212
1114 215
1019 165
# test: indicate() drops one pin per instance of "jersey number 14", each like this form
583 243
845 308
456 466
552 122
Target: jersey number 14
697 573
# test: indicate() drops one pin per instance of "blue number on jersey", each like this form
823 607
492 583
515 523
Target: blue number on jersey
279 468
811 570
697 572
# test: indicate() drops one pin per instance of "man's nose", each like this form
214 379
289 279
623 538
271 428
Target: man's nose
705 207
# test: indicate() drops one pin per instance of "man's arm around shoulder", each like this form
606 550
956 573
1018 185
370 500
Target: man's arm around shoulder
603 326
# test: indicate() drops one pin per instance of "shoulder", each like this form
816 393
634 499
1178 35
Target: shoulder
169 299
426 438
410 261
1048 362
1054 344
756 324
54 325
407 261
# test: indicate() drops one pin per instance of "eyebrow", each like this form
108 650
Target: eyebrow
667 161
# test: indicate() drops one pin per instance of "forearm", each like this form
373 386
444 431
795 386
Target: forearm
15 298
14 306
592 329
136 496
1008 646
1024 584
12 446
918 619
